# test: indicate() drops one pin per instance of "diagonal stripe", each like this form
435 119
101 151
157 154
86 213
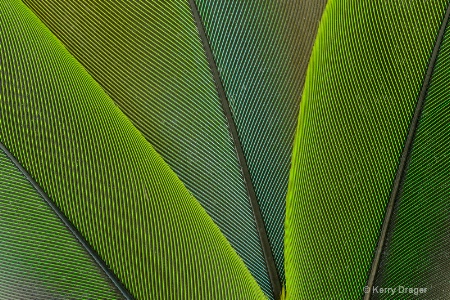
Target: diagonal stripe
406 154
268 256
147 56
104 176
415 251
262 49
365 74
42 256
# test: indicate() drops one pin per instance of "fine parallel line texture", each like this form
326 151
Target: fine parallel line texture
416 254
405 155
39 256
262 50
106 178
363 81
71 229
267 251
148 57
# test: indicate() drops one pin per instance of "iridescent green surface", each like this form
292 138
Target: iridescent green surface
103 174
58 116
363 81
39 256
417 252
262 50
148 58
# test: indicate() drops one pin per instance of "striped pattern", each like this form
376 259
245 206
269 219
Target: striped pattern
39 257
148 58
417 252
363 80
262 50
103 174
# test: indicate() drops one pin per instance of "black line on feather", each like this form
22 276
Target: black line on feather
405 157
267 251
117 283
